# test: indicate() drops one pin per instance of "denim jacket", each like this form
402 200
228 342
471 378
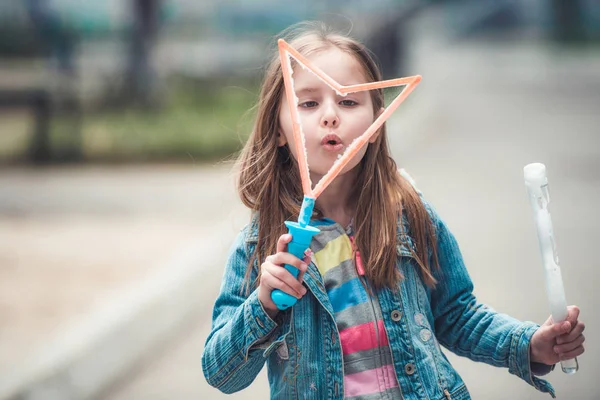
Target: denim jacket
302 346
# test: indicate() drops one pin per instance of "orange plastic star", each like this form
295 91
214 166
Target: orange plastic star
285 52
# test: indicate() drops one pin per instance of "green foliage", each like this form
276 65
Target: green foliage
198 121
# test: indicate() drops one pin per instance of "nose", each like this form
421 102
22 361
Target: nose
330 118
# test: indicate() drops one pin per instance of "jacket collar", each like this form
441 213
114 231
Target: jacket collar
405 242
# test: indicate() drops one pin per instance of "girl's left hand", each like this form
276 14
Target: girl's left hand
552 342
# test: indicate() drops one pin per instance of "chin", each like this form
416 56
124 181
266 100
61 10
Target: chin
319 171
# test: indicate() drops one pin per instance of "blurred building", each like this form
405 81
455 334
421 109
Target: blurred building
228 37
112 53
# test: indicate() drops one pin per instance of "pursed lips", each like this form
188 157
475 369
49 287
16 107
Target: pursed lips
332 143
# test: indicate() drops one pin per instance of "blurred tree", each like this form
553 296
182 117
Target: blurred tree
388 39
59 40
141 86
568 19
53 33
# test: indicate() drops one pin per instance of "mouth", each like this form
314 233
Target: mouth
332 143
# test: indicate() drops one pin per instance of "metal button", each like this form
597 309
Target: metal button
420 319
425 334
396 315
409 369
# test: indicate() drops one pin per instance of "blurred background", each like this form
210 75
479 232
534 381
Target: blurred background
119 121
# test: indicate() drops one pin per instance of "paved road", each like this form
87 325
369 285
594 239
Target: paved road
491 110
68 237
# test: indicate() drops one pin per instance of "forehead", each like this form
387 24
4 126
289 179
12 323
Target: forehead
339 65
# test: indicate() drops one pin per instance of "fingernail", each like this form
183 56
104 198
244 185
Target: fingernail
556 350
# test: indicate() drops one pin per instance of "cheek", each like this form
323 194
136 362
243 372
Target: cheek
366 121
285 124
355 160
359 122
285 128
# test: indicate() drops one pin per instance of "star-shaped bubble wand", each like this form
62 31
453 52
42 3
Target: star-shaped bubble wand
302 233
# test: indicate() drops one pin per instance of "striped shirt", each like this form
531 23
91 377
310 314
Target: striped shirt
368 369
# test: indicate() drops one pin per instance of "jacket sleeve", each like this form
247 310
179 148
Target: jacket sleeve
242 333
475 330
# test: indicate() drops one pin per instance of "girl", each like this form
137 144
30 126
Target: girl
384 284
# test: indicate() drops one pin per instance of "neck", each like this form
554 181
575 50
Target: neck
335 202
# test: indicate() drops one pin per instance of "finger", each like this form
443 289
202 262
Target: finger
575 332
553 331
283 258
548 322
277 261
300 277
572 354
569 346
272 282
573 314
283 241
285 276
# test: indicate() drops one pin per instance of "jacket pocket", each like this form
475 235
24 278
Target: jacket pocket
281 346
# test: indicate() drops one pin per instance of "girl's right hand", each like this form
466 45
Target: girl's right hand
275 276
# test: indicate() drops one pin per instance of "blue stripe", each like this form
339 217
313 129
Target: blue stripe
347 295
321 222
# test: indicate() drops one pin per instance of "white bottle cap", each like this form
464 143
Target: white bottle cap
535 175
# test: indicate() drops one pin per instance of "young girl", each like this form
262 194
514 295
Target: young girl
384 283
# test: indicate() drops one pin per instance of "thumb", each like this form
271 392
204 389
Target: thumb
283 241
555 330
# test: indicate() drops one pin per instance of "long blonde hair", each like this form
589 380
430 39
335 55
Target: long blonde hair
269 179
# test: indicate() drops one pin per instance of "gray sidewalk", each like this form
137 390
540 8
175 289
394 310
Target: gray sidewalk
488 112
100 265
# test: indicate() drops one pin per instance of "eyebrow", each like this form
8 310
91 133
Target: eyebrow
308 90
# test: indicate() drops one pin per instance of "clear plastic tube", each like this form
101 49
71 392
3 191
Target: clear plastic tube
539 197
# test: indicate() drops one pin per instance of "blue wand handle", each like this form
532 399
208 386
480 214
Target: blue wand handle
302 235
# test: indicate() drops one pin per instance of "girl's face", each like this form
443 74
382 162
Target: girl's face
330 122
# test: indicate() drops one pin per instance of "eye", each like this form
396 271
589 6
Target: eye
308 104
348 103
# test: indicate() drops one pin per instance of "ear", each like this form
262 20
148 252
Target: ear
281 139
373 138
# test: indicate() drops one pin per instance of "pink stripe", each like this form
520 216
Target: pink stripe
372 381
362 337
383 339
358 260
358 338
